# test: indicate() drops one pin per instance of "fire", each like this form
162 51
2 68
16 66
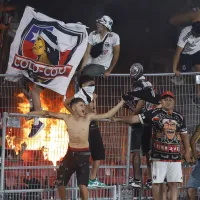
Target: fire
53 139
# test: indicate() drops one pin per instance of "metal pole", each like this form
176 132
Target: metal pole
119 192
115 193
141 189
56 167
3 151
76 89
53 189
128 155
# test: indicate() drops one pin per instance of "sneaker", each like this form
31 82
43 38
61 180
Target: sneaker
36 129
148 184
95 183
135 183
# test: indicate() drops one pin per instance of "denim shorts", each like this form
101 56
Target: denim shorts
194 180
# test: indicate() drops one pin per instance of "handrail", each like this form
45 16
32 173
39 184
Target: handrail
160 74
54 189
54 167
152 74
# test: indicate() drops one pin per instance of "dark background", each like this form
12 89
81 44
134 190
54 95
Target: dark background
146 36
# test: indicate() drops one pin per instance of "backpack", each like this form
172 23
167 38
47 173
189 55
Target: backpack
97 49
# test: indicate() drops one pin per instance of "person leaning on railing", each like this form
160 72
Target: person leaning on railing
188 53
103 50
142 90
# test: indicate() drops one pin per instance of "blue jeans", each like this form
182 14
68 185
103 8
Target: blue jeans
194 180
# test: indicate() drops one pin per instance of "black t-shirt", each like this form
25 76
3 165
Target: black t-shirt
146 91
167 128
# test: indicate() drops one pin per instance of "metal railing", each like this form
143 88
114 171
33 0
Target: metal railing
108 192
116 169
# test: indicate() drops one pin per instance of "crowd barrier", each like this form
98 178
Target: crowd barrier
33 176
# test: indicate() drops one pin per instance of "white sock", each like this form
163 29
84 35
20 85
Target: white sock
36 121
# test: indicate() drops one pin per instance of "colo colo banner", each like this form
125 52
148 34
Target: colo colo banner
46 51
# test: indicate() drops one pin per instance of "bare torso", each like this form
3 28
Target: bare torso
78 130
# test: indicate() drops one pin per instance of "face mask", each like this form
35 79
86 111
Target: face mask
89 89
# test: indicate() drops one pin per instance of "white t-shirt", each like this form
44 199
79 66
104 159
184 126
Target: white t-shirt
106 57
187 41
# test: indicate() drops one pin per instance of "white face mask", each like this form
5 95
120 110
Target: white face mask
89 89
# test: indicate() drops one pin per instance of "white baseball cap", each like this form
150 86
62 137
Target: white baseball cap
106 21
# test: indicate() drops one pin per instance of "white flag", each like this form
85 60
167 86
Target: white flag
47 51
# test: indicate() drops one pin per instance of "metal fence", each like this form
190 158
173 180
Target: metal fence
185 89
37 169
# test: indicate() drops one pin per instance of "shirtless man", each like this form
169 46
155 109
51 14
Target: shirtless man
86 92
77 157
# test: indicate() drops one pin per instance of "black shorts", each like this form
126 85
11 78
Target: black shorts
188 61
141 138
146 140
95 142
74 161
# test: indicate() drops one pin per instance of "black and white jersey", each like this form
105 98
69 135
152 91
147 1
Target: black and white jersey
167 128
146 90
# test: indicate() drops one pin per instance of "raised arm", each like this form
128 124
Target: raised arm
109 114
184 18
134 119
46 113
143 118
145 94
23 148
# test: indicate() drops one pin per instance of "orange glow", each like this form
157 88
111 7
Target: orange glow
52 140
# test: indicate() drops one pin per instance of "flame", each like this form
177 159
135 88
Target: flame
53 139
